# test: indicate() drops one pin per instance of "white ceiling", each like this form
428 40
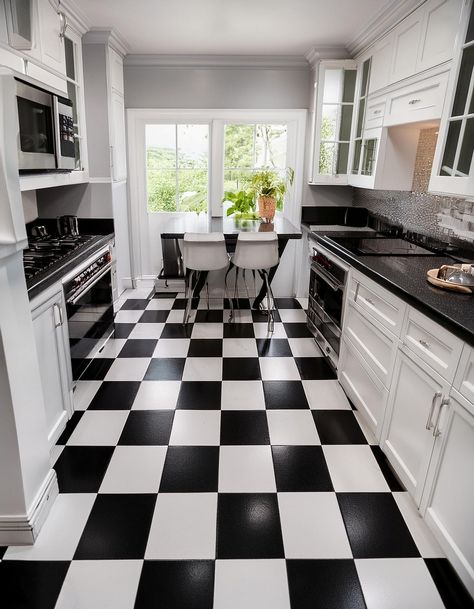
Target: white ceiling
232 27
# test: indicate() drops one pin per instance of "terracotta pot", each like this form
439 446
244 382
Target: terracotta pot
266 208
266 227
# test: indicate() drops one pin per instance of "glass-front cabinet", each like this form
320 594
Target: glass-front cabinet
453 166
334 107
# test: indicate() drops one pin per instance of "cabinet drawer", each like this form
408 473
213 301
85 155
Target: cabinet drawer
433 344
464 381
375 113
383 306
376 347
421 101
46 78
362 387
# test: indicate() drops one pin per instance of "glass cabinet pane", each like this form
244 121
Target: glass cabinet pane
360 118
329 122
356 160
346 122
349 86
327 155
368 162
464 79
447 166
470 27
333 80
467 147
365 77
69 53
342 159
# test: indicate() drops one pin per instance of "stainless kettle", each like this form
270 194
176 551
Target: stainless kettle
68 225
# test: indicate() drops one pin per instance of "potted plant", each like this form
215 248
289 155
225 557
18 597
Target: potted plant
243 204
269 188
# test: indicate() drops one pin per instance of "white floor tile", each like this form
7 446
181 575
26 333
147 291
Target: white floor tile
292 315
176 316
424 538
207 330
127 317
246 469
134 469
104 584
303 302
128 369
83 393
369 436
261 330
196 428
353 469
147 331
312 526
55 452
279 369
183 527
214 303
392 583
203 369
292 427
99 428
112 348
239 347
251 584
172 347
160 304
304 347
61 532
242 316
326 395
242 395
157 395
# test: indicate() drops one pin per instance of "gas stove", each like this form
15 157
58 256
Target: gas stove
45 252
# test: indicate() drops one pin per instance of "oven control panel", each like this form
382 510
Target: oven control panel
88 275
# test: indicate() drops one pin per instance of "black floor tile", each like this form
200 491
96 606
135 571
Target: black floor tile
81 469
190 469
240 369
177 331
301 469
239 303
165 294
180 304
259 316
117 528
3 549
325 584
115 395
205 347
165 369
451 589
210 316
138 348
338 427
248 526
154 317
393 483
273 347
122 330
375 526
284 395
70 427
236 330
78 364
199 395
31 584
176 584
97 369
287 303
135 304
297 330
314 368
244 427
147 428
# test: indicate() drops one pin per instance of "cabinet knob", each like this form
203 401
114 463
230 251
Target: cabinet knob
377 111
424 344
371 302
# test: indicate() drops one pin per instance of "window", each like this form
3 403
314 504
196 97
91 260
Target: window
75 93
177 159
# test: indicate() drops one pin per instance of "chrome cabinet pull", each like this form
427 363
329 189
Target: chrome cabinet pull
436 429
433 404
377 111
59 316
414 101
371 302
424 344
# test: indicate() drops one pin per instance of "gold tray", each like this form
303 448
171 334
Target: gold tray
432 277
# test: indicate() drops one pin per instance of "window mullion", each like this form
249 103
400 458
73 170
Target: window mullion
177 167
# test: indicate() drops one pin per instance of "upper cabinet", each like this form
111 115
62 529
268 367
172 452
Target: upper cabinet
406 40
17 26
453 165
52 27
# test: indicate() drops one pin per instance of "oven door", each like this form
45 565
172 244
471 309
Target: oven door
36 146
90 317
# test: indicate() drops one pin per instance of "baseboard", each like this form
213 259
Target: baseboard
23 530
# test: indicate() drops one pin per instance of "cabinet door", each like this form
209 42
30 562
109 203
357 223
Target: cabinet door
414 404
52 43
119 146
440 26
48 323
116 71
381 58
451 498
406 43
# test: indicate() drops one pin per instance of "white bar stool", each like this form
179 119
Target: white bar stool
202 252
258 252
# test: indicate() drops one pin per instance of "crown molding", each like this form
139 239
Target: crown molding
77 20
289 62
97 35
319 53
383 21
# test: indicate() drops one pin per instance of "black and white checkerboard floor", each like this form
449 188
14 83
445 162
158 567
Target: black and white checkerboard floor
213 467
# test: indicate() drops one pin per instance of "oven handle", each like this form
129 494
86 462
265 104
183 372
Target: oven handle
335 285
92 281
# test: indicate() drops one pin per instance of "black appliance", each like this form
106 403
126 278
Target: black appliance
381 246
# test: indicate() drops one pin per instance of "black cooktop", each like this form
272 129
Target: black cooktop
381 246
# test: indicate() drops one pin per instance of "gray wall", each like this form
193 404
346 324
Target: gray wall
83 200
230 87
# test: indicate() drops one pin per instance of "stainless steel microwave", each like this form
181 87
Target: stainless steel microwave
46 130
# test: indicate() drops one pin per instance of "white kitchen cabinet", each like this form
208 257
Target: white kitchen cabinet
382 56
116 71
406 42
415 405
51 37
50 327
118 138
16 23
448 504
464 381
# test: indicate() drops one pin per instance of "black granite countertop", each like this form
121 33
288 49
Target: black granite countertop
230 226
405 276
59 270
